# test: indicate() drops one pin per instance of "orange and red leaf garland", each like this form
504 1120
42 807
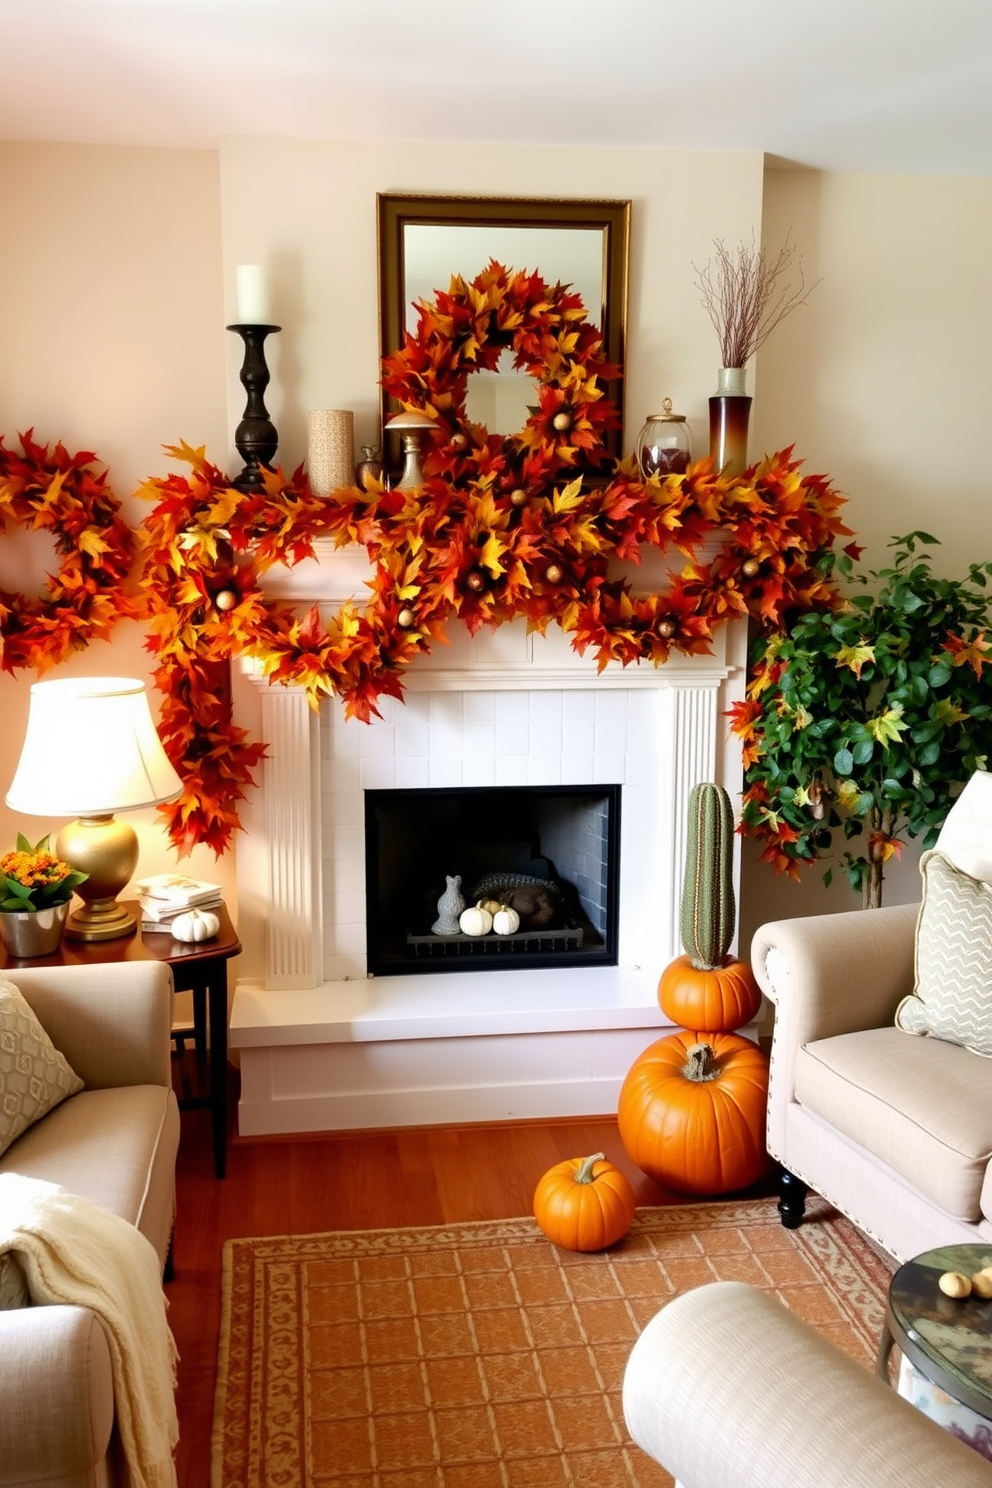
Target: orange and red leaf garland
502 527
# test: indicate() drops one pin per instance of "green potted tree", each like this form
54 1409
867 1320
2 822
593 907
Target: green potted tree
869 719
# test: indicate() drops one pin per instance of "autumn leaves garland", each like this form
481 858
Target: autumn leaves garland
501 528
50 490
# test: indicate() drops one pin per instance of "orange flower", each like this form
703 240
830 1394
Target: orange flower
33 878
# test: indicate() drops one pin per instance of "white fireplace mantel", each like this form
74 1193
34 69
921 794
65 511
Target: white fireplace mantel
323 1046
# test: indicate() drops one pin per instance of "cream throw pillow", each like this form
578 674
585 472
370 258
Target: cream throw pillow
952 999
34 1076
966 836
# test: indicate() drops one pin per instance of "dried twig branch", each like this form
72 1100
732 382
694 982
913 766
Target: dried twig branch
746 295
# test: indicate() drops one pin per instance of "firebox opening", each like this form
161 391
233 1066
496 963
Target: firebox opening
552 852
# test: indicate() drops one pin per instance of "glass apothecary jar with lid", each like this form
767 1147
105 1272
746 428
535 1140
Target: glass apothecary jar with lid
664 445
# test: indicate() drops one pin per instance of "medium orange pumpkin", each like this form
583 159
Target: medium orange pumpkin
692 1112
717 999
584 1203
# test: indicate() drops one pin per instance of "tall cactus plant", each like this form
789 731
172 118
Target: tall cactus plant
708 907
706 990
679 1090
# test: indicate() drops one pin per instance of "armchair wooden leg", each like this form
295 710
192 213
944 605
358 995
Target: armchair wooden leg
792 1193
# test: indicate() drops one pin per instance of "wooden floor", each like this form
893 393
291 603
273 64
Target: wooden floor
376 1180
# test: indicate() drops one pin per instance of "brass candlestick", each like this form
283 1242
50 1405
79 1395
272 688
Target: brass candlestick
411 427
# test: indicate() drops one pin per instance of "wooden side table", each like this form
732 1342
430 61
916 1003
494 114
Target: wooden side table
200 968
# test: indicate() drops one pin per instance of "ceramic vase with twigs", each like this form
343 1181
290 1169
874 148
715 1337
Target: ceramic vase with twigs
746 294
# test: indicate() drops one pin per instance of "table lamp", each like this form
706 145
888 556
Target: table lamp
91 749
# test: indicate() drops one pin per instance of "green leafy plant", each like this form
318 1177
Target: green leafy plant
34 878
868 719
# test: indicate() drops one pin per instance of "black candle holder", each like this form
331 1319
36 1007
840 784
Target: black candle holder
255 437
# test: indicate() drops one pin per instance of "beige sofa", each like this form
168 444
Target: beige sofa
727 1389
114 1143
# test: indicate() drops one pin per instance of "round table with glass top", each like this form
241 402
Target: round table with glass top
946 1343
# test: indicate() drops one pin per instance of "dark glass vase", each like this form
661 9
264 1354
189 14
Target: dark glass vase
730 414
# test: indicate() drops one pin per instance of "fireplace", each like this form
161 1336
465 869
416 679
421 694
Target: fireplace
550 852
330 1032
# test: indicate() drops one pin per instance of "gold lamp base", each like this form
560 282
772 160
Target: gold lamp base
107 850
104 920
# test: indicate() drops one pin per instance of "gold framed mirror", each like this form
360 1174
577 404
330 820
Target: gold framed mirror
424 240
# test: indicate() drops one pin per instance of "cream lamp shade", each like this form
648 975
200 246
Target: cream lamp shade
91 749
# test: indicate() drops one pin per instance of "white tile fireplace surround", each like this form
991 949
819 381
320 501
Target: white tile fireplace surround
325 1047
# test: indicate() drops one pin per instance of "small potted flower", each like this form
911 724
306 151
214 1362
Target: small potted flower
35 893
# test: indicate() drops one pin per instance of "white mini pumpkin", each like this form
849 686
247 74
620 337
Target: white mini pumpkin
475 921
506 921
195 925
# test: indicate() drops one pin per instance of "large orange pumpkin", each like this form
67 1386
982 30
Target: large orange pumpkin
717 999
584 1203
692 1112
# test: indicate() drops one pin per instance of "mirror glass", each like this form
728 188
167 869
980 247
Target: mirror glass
574 255
423 241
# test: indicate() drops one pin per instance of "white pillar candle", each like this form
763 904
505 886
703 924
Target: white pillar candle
253 295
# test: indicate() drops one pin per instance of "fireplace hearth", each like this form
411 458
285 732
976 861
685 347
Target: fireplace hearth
550 852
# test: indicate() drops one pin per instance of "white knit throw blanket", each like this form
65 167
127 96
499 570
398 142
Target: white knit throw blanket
74 1252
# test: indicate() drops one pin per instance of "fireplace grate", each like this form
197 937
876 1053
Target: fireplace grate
473 947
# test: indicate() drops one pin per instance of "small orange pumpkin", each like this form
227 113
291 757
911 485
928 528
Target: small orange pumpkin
584 1203
692 1112
717 999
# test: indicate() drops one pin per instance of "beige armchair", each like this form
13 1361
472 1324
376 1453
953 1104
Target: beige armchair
893 1128
876 1121
115 1144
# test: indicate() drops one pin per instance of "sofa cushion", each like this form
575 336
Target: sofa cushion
921 1106
952 998
108 1146
34 1076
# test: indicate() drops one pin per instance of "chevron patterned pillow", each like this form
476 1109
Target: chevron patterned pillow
952 999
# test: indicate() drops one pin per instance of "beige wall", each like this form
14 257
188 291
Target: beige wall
308 211
117 279
113 341
882 380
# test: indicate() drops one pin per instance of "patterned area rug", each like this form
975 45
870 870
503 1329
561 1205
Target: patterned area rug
481 1356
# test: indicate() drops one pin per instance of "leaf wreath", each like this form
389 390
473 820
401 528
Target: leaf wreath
50 490
501 528
494 534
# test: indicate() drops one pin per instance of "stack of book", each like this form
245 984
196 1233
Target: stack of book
162 896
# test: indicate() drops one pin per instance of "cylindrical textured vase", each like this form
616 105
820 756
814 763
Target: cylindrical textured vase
730 414
731 381
330 449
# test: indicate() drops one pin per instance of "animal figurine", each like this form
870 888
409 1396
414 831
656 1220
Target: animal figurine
449 907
